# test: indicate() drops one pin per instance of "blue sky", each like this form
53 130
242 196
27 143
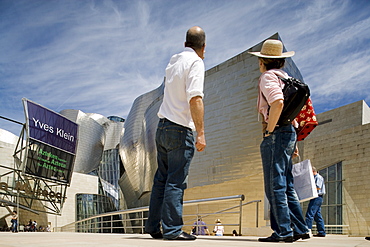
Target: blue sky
98 56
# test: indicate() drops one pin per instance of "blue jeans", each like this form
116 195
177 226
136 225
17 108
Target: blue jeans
14 226
285 211
314 213
175 150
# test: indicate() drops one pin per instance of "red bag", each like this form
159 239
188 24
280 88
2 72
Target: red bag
306 120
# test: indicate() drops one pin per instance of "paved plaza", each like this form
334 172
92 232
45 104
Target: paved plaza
66 239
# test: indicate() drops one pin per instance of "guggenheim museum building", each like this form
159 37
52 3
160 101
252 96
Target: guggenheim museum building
116 158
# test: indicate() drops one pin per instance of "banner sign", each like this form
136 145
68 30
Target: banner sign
47 162
52 143
51 128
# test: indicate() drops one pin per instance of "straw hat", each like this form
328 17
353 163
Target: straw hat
218 221
272 48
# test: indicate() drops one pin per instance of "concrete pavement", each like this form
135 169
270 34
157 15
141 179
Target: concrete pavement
66 239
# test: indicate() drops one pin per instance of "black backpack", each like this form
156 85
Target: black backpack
296 94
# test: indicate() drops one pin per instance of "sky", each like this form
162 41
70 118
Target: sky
98 56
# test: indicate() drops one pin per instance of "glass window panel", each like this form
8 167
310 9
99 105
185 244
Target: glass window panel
332 204
332 215
339 214
324 174
331 192
339 192
324 213
339 171
325 197
332 173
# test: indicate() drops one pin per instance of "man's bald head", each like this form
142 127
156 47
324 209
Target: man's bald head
195 38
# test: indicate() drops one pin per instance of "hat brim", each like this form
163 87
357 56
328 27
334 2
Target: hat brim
283 55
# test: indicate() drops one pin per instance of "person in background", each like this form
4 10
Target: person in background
314 207
278 147
28 226
181 112
34 226
219 229
14 221
200 227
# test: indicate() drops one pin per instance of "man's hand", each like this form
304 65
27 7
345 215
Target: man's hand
197 113
296 152
200 143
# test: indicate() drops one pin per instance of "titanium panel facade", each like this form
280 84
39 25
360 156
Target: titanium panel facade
137 148
97 151
91 139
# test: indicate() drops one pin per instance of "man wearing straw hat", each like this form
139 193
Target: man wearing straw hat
277 148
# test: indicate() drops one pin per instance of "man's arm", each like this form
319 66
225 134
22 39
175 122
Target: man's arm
197 113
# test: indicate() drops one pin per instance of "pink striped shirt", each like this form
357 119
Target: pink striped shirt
270 90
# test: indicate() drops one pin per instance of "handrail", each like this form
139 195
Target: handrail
227 198
227 209
106 222
140 209
124 211
257 203
224 198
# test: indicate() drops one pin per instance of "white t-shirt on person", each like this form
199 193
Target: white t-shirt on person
184 80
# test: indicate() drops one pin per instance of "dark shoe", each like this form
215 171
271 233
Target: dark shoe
367 238
274 239
157 235
183 236
319 235
301 236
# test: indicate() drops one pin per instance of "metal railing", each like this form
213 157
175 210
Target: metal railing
333 229
133 220
224 211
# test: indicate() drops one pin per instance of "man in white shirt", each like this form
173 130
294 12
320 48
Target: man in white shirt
181 112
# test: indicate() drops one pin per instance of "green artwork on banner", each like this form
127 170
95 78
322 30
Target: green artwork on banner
49 162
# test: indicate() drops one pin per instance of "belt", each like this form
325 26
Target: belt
166 120
282 125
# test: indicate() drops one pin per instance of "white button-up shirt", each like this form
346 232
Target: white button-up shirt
184 80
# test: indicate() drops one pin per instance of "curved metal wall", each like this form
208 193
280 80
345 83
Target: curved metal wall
137 148
91 137
96 133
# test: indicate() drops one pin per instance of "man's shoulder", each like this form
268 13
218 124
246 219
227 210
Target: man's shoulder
190 54
187 56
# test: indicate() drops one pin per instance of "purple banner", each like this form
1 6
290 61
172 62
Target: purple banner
51 128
